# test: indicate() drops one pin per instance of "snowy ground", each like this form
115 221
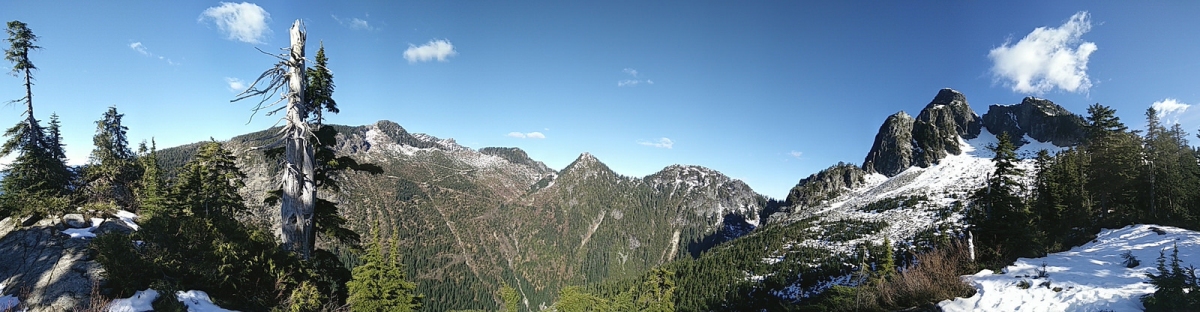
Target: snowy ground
1086 278
944 185
7 302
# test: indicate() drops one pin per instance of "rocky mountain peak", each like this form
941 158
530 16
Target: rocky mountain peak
588 166
903 141
892 150
1040 119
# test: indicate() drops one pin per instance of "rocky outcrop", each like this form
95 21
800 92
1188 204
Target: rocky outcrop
1041 119
892 150
903 141
937 129
825 185
515 156
45 269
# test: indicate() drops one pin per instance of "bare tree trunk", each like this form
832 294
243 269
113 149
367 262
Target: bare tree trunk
34 130
299 190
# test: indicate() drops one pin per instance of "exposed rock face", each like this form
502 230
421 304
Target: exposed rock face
514 155
44 268
712 193
824 185
1041 119
892 150
940 124
903 141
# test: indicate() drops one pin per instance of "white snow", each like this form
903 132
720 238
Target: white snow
140 302
198 301
128 218
87 232
7 302
1091 277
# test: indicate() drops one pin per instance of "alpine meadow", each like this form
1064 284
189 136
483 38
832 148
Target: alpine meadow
610 156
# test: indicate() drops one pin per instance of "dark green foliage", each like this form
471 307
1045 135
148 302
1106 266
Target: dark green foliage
319 91
112 172
654 293
151 191
194 242
379 283
1177 288
1001 220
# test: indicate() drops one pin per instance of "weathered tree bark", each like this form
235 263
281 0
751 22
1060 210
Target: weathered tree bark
299 190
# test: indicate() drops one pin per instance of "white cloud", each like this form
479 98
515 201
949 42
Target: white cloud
137 46
660 143
245 22
1047 58
531 135
1170 108
796 154
235 85
632 82
441 50
354 23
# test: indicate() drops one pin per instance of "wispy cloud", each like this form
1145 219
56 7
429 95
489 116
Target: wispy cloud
1047 58
354 23
137 46
633 80
796 154
530 135
245 22
660 143
1169 110
440 50
141 49
235 85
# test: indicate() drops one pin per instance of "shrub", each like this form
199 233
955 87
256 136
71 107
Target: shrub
1176 288
1129 261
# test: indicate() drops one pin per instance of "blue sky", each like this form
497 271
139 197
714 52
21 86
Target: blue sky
767 91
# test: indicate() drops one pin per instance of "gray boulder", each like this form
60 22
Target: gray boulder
45 269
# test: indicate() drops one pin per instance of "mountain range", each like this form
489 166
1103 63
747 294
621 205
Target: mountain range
470 221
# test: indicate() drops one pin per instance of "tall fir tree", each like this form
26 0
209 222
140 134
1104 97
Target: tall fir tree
37 179
112 170
1115 168
1001 217
379 283
150 193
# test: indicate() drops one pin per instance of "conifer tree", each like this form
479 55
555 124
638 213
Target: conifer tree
208 185
1000 217
379 283
37 178
112 171
1116 164
150 193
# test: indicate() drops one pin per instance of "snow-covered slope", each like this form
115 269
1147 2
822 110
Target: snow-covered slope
1091 277
935 195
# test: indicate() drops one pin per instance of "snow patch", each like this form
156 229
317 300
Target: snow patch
1091 277
140 301
8 302
198 301
128 218
85 233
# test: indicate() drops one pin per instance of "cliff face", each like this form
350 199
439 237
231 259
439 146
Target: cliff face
892 151
1041 119
903 141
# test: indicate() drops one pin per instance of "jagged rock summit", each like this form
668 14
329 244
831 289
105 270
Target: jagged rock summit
1040 119
935 133
903 141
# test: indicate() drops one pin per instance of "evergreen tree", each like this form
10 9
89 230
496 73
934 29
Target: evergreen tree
112 171
1116 165
37 179
208 185
1001 218
320 88
379 283
150 193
